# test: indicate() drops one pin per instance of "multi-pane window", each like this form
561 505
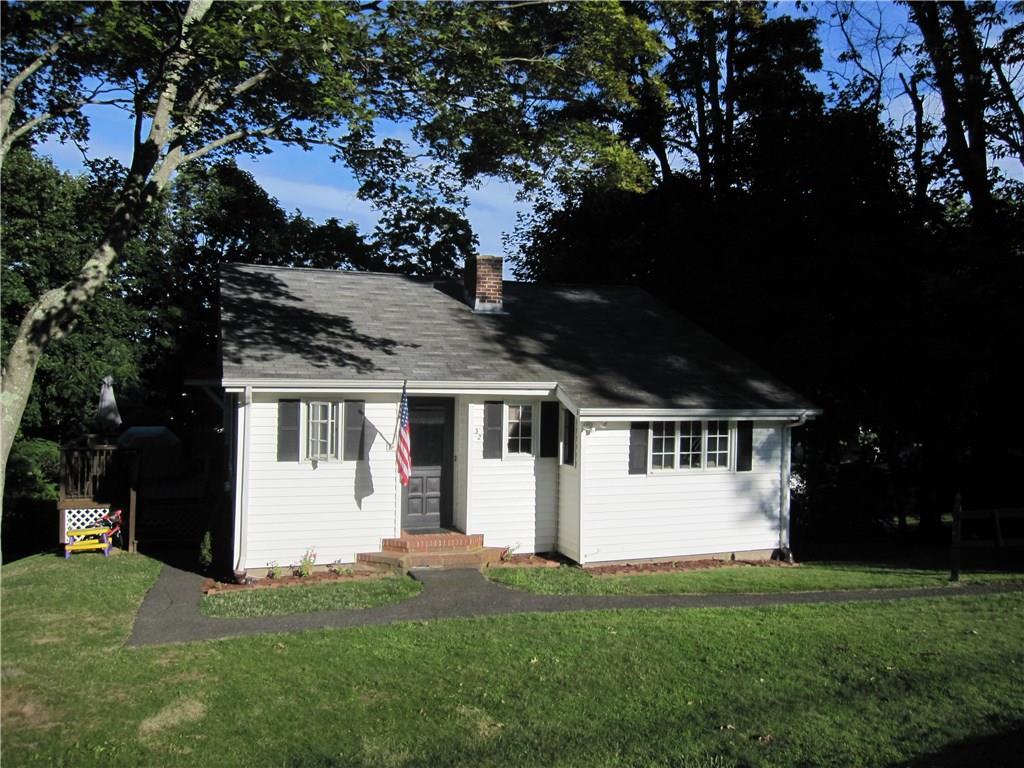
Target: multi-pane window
718 444
320 430
690 444
520 429
663 445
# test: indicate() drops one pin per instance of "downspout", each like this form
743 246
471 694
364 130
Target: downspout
784 501
242 485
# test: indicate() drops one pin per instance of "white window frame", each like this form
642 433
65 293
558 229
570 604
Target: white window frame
505 452
701 455
333 437
677 468
674 453
730 436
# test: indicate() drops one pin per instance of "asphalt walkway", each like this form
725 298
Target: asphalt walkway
170 610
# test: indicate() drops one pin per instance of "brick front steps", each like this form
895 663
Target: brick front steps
433 550
450 541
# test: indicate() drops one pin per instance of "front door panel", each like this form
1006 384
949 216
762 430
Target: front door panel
427 496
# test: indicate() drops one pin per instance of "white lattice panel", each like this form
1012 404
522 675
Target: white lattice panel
82 518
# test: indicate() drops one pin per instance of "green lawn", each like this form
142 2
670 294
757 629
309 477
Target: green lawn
928 682
568 580
308 598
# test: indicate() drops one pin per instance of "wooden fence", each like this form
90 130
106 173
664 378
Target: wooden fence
87 472
996 516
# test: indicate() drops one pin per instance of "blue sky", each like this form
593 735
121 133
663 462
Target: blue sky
301 180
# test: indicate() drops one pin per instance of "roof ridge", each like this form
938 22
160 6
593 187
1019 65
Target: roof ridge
329 271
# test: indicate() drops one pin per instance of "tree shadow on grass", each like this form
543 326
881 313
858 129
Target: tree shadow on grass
996 750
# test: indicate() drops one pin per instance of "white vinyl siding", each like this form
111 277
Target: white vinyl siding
513 501
338 508
665 513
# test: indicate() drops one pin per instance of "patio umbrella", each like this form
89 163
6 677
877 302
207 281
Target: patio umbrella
107 417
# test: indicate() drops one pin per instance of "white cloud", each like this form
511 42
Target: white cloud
318 201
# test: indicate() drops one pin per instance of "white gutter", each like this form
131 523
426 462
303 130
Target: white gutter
242 484
786 471
394 386
645 414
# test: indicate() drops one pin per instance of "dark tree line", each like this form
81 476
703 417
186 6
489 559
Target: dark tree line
875 268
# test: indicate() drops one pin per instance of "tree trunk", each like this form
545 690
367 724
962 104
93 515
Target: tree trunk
959 109
921 176
56 312
729 124
709 40
1016 143
657 146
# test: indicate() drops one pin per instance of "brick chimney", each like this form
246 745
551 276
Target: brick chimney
482 281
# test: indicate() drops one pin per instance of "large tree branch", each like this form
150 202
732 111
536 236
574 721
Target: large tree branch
1012 104
241 133
11 88
7 96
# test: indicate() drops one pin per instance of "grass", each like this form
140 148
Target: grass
568 580
309 598
930 681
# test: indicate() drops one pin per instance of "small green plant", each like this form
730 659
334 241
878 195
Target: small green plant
507 553
273 569
306 564
206 551
339 568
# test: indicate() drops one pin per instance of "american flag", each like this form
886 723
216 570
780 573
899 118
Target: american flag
403 456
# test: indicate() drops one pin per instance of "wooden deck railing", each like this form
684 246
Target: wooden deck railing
87 472
996 516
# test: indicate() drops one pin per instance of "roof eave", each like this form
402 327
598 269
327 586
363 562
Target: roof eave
669 414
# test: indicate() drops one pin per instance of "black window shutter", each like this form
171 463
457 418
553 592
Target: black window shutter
355 442
288 430
569 439
744 445
548 430
492 429
638 448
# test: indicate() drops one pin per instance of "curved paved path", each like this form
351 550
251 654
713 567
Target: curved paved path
170 610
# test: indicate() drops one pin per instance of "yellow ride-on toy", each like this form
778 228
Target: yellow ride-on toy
99 535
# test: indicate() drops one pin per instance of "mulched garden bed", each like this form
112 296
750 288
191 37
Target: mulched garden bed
213 587
545 560
554 560
624 569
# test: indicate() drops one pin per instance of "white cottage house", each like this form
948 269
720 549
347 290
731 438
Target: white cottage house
591 421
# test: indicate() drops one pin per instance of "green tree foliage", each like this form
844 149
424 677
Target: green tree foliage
51 222
207 81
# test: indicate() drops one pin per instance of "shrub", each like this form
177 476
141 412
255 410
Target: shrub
206 551
306 563
33 470
273 569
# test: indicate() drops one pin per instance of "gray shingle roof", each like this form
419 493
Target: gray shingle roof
607 346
